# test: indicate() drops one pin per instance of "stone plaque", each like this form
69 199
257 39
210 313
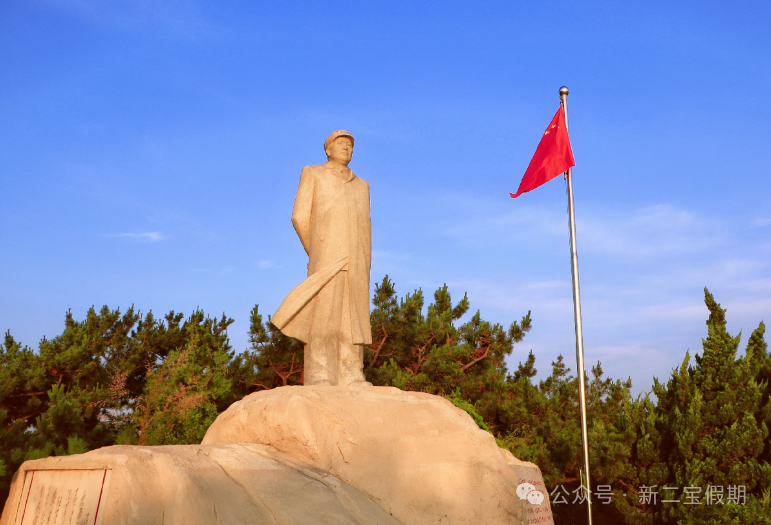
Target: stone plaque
63 497
533 494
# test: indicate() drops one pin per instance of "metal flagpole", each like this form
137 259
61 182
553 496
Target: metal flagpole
577 316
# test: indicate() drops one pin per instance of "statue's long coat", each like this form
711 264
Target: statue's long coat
332 219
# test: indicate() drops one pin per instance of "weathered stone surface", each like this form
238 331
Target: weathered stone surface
330 309
537 510
300 456
419 457
187 485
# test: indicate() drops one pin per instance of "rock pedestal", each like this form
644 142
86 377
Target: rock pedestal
184 485
296 455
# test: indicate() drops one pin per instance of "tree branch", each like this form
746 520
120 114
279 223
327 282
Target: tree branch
379 346
475 361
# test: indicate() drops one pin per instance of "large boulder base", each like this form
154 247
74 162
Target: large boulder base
188 485
418 456
295 456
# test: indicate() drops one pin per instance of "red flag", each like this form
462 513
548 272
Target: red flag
552 156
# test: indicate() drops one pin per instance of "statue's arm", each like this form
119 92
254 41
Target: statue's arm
303 206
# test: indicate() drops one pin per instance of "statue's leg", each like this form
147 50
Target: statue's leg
321 352
350 369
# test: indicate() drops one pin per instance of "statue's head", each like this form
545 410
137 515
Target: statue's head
339 147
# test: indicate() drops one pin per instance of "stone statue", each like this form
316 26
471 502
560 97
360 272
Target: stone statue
305 455
329 311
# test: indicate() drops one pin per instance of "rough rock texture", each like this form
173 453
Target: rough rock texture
537 508
195 484
419 457
297 456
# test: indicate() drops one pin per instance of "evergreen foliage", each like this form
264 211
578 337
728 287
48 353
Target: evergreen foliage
708 432
131 379
274 359
110 379
186 391
427 353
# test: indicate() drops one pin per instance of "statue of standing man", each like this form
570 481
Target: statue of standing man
329 311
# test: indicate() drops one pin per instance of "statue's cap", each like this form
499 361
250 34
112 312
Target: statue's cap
334 135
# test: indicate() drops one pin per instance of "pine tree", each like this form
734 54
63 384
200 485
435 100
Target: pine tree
426 352
81 389
129 378
707 436
187 390
273 360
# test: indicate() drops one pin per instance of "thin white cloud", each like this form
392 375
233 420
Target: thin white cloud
385 262
650 231
181 19
266 264
537 220
642 277
655 230
144 236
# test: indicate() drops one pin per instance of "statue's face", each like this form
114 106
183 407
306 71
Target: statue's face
341 150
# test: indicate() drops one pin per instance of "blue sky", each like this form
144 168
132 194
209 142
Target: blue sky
150 153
